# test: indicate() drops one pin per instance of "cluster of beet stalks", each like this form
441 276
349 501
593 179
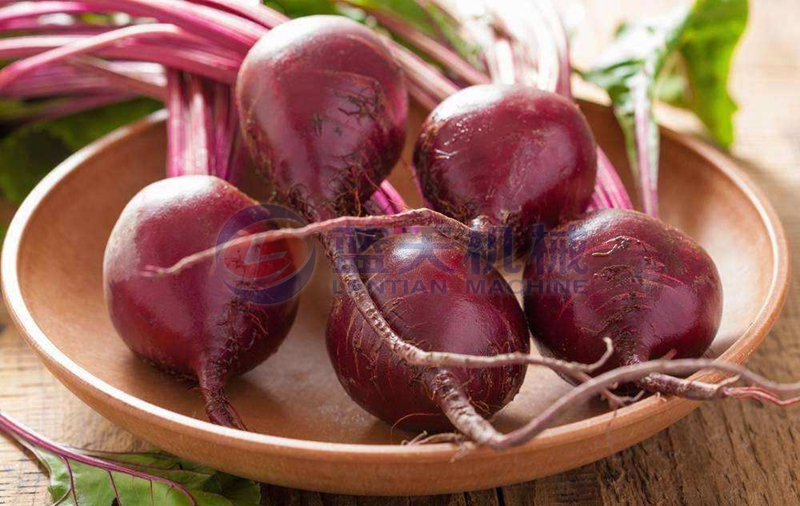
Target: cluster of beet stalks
199 46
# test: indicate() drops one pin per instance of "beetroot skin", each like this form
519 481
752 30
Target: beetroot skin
507 156
624 275
439 306
191 324
323 107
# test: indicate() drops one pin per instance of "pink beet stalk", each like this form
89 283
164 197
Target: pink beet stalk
265 17
84 46
647 156
12 15
219 27
28 438
139 79
609 191
201 160
442 54
193 56
176 131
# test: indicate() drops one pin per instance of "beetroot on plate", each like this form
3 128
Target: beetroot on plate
438 305
323 107
629 277
507 156
194 324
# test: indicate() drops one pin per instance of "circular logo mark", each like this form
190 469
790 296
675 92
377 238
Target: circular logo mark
259 270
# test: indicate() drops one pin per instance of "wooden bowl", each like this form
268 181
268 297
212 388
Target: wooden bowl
307 433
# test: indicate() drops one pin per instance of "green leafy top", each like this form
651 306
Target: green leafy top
76 483
699 43
708 43
81 477
32 150
695 46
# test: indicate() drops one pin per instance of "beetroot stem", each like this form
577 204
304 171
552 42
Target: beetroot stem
262 15
83 46
609 191
423 74
141 84
176 131
444 55
646 150
224 129
218 27
193 56
71 105
11 15
387 200
701 391
199 134
561 40
31 439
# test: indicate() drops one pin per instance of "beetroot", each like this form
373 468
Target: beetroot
623 275
323 107
482 318
193 324
507 156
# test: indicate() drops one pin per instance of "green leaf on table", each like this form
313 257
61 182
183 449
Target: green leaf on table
190 474
162 479
693 47
31 151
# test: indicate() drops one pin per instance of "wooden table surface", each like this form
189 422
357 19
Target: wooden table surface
724 453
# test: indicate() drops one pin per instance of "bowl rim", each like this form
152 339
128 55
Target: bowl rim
60 364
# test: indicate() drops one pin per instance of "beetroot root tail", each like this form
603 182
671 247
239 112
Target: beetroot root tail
455 404
702 391
422 217
761 394
219 409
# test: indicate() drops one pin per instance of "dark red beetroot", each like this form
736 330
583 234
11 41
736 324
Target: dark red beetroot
623 275
439 306
192 324
323 107
507 156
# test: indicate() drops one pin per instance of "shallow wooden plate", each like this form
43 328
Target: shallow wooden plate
307 433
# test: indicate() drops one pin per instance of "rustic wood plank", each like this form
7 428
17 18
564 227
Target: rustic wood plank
726 453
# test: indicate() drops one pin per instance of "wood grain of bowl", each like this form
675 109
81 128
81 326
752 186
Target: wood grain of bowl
306 431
